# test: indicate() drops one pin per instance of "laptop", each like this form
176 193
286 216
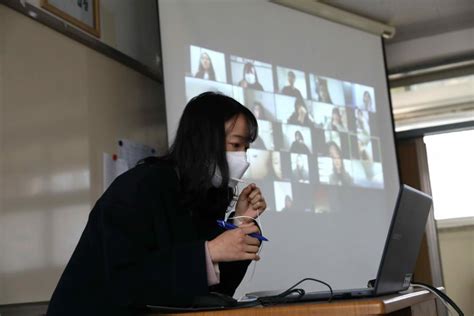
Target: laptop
399 255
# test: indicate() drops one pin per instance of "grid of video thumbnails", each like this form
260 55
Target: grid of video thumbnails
317 135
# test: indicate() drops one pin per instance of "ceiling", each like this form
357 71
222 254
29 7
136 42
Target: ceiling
413 18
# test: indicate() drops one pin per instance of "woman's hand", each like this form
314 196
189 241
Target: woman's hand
251 203
235 244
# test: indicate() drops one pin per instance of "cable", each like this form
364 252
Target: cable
436 294
285 293
259 221
283 297
259 224
442 296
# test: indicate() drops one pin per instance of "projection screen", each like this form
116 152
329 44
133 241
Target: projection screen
325 157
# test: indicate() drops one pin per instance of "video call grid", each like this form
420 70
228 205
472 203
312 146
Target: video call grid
314 131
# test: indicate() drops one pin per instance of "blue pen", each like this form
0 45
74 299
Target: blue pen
228 226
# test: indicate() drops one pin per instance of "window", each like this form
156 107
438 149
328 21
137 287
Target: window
451 168
433 103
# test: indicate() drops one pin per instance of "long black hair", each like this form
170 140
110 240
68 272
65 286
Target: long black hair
201 71
199 148
339 153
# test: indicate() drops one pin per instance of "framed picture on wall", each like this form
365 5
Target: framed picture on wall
81 13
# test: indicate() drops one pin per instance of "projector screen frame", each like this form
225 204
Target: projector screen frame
389 95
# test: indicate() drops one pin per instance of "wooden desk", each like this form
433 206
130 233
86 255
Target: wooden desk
415 303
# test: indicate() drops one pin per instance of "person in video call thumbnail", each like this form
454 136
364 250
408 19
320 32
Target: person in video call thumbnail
365 157
152 237
250 78
362 124
272 168
259 113
300 172
290 89
322 90
206 69
258 110
298 146
275 170
336 123
367 100
363 144
300 115
339 174
288 204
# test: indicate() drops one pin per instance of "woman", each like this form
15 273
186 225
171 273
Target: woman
250 78
298 146
336 121
275 170
339 174
300 115
322 91
367 100
152 238
206 69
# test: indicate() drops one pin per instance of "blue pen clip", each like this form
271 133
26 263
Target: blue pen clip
229 226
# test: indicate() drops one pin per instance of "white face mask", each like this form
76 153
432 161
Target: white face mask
250 78
238 164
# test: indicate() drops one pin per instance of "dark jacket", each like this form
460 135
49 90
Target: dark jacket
299 148
293 119
292 92
140 247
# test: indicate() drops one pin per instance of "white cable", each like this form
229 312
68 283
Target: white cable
261 243
436 294
259 221
253 219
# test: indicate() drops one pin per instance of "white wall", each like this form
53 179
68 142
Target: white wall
457 257
62 106
129 26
